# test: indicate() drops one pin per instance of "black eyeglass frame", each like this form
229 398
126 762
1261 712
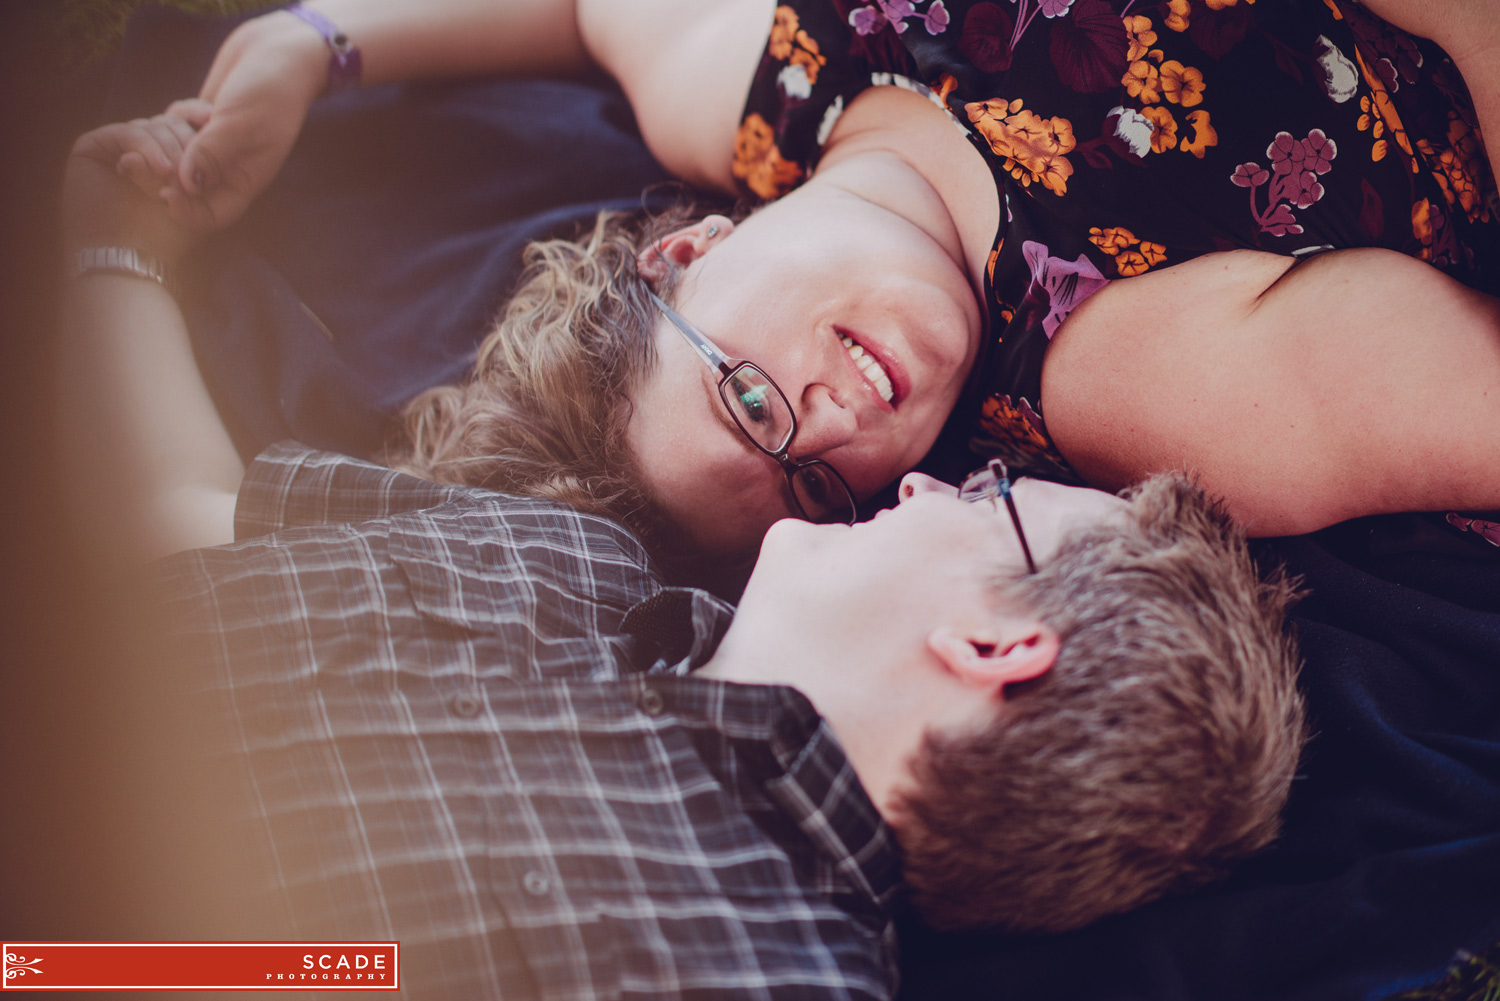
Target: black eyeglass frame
727 368
988 482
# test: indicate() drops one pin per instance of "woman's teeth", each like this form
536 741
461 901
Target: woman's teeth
872 369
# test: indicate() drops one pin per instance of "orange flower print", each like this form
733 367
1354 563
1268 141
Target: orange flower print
1204 134
1422 227
1001 417
1035 148
807 56
1138 28
1111 239
1142 80
1177 14
1221 4
1369 121
1131 263
1132 256
1379 115
1181 84
1460 169
1054 174
1163 128
1013 432
783 33
946 84
759 163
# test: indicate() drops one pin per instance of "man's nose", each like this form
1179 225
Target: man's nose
913 484
823 424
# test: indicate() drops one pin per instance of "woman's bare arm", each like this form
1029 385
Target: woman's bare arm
685 65
1358 382
147 463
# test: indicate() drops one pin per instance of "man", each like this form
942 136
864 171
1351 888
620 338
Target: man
480 725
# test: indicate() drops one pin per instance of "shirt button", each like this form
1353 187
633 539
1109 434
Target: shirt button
651 702
465 704
536 884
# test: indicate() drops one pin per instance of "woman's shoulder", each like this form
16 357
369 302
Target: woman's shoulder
685 65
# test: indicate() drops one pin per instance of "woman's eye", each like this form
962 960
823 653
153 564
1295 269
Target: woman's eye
754 401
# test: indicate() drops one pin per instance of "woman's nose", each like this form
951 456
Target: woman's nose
823 424
913 484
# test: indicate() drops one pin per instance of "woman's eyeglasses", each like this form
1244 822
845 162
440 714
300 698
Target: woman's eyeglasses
762 413
988 483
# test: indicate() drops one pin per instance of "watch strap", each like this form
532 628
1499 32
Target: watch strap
124 261
345 63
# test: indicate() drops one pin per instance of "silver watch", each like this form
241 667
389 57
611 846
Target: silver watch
125 261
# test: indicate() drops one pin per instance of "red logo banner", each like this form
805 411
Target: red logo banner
71 966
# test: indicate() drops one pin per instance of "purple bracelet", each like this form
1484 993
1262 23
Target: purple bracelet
344 61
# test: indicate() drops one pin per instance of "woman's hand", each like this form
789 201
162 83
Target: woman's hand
264 78
119 186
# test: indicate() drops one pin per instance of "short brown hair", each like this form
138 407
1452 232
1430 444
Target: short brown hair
1158 750
547 406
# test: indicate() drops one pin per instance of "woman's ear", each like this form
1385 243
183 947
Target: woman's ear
999 654
682 247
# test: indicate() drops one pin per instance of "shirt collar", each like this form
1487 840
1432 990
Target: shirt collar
679 627
812 781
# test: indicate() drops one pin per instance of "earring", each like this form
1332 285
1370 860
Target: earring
713 230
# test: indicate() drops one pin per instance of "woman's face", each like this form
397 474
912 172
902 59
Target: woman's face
790 289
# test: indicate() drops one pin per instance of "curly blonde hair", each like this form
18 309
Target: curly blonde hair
547 406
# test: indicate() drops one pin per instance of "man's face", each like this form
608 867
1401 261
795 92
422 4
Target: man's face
894 625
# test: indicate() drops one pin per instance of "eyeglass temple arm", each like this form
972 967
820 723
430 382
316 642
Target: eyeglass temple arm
1010 505
705 348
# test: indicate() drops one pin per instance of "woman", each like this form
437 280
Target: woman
893 281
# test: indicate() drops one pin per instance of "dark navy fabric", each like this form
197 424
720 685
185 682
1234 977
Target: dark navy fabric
371 267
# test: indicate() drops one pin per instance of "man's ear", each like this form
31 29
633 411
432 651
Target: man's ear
682 247
998 654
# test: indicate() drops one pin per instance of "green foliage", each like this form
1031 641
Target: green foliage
89 29
1470 978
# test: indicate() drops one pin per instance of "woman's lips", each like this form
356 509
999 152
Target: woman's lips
885 367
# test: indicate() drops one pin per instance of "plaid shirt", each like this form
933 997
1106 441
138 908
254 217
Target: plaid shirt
469 726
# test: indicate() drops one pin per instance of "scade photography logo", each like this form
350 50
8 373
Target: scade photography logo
71 966
355 965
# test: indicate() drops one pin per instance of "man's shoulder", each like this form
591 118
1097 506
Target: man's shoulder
291 485
339 527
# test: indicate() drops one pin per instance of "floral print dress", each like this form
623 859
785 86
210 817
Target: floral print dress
1126 136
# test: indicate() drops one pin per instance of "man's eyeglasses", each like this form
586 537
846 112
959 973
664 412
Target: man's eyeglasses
762 413
988 483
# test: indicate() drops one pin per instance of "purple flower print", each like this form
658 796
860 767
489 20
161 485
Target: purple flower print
1318 152
1279 221
1309 191
1058 285
1293 178
1293 156
936 19
1286 153
1055 8
869 20
1250 175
